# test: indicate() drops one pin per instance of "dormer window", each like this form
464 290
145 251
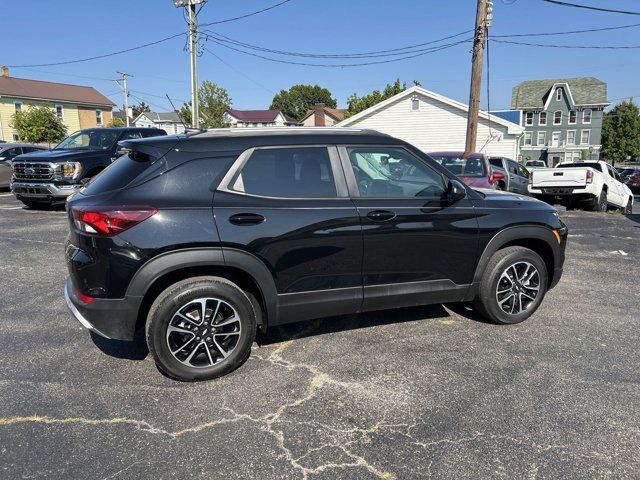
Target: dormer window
558 94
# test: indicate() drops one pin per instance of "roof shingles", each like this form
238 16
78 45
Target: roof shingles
533 93
61 92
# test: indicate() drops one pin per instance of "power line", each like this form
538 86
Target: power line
590 7
240 72
233 19
570 32
582 47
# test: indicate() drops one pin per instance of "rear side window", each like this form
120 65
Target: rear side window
120 173
287 172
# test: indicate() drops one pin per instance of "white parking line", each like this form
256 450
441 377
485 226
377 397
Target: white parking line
6 194
9 208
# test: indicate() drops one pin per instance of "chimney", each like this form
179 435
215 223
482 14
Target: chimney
4 71
318 115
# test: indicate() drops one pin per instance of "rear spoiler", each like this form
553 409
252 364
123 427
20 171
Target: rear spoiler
155 147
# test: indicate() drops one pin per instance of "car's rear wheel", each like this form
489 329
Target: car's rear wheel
601 203
201 328
628 209
513 285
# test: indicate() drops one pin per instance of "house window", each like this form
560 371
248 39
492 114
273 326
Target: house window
557 118
16 137
586 116
542 119
528 138
528 118
542 136
415 103
573 115
571 137
585 137
18 106
98 117
60 112
558 94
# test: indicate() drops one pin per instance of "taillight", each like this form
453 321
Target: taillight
530 178
109 221
589 176
495 176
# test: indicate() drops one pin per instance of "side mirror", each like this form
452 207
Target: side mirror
455 192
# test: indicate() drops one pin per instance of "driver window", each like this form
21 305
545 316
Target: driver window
393 172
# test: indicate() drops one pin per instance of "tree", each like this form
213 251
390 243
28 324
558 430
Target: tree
214 100
299 99
139 108
116 122
38 125
356 104
621 133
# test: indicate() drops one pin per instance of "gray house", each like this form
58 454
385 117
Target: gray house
562 118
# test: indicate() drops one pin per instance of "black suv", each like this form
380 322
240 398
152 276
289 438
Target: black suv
203 238
44 177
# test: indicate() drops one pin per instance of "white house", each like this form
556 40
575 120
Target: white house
432 122
168 121
258 118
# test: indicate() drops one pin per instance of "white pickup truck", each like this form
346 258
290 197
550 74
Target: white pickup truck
589 185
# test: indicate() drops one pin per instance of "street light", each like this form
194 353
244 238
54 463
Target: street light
190 5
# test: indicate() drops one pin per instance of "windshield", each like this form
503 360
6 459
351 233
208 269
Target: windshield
594 165
89 140
462 167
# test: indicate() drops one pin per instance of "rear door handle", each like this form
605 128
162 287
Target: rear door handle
246 219
381 215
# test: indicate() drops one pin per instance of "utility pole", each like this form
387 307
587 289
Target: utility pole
123 86
190 5
479 39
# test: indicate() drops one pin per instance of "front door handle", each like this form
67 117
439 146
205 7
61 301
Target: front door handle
246 219
381 215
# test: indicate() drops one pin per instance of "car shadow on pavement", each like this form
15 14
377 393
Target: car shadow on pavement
363 320
135 350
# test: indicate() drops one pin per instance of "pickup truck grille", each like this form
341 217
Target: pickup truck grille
32 171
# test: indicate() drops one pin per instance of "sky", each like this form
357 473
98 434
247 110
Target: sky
45 31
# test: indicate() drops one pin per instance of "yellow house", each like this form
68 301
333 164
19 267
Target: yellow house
77 106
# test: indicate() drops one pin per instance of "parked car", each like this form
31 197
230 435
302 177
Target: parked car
43 178
626 172
8 151
473 169
517 177
591 185
535 164
205 237
633 182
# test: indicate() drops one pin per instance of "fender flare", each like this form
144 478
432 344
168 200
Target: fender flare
518 232
175 260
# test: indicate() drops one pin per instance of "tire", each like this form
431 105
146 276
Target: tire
628 209
600 203
497 306
33 205
501 187
180 307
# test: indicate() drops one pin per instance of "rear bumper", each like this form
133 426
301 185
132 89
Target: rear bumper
44 191
112 318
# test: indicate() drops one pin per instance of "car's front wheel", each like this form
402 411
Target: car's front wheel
513 285
201 328
628 209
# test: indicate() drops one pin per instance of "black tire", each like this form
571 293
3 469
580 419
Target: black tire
628 209
600 203
179 296
33 205
501 187
486 303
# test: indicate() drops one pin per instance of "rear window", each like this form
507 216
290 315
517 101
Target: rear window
120 173
462 167
496 162
595 166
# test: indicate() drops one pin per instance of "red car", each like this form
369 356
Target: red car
633 182
473 169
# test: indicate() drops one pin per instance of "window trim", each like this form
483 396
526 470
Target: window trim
554 117
574 137
540 124
590 116
334 161
544 138
15 104
589 139
524 139
526 119
558 94
99 115
415 103
353 186
576 119
61 117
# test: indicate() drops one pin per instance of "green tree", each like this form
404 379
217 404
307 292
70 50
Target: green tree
139 108
214 100
299 99
356 104
116 122
621 133
38 125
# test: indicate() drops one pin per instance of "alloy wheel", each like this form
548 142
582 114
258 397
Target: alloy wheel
518 288
203 332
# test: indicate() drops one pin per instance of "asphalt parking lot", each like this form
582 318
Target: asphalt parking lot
411 393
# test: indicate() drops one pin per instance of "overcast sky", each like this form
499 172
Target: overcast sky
45 31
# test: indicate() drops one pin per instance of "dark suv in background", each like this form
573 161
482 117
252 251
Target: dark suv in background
203 238
42 178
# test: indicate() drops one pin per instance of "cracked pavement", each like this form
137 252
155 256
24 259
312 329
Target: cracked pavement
429 392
